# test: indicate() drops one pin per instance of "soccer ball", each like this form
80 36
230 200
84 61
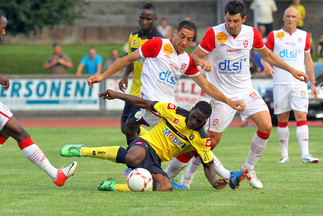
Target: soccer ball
140 180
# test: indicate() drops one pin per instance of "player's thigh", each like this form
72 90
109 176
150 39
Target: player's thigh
263 121
299 98
254 104
215 138
5 115
282 98
136 153
220 118
162 182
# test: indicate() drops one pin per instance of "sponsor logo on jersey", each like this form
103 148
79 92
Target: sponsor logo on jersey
173 66
168 49
208 143
215 122
166 77
167 56
229 65
280 35
233 50
221 37
173 138
206 155
245 43
288 54
171 106
183 66
176 120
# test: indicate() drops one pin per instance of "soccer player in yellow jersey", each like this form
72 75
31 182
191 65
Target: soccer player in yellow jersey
179 131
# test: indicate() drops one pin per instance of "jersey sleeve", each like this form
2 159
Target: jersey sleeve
192 70
151 48
166 110
208 42
307 43
203 148
270 41
129 44
257 40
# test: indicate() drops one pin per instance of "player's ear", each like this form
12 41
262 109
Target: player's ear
244 19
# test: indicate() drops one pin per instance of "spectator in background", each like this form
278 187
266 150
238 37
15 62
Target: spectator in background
262 29
301 12
320 47
58 63
165 29
264 13
111 61
92 63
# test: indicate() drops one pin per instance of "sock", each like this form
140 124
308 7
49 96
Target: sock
2 140
283 135
115 154
257 147
176 165
191 170
302 136
122 187
142 131
219 168
35 155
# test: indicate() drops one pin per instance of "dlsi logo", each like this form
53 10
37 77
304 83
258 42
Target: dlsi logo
167 77
226 65
288 54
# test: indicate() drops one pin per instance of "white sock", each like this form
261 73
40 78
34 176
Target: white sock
302 136
256 149
191 169
283 135
37 157
174 167
219 168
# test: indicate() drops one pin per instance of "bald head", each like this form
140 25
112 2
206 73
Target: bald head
291 10
290 20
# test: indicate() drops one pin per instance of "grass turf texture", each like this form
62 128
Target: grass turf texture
289 189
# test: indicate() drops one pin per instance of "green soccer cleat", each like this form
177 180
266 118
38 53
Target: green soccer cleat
108 185
72 150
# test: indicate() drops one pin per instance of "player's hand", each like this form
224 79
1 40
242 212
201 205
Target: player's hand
268 70
319 80
205 65
93 79
221 183
300 75
123 84
314 92
5 83
108 94
238 105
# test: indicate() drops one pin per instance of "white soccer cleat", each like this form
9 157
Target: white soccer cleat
253 180
186 180
309 159
64 173
283 160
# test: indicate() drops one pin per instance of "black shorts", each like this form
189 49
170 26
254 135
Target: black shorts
129 115
151 162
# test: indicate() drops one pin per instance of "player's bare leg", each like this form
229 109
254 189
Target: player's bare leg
3 137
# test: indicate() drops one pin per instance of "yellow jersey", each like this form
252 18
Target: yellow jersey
171 136
135 41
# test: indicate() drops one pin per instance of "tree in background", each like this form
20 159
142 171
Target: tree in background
26 16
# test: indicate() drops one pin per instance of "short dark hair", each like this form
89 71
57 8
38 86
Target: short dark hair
204 107
56 44
235 7
186 24
149 6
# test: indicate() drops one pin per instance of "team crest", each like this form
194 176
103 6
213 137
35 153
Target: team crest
171 106
176 121
303 93
215 122
134 42
191 137
183 66
168 49
245 43
221 37
299 39
208 143
253 94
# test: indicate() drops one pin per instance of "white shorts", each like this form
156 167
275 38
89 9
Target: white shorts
152 118
5 115
290 97
222 114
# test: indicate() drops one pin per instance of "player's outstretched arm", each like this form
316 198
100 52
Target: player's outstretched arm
5 83
211 176
134 100
276 61
123 83
198 57
121 63
211 90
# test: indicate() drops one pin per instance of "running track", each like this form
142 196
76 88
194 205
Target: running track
115 123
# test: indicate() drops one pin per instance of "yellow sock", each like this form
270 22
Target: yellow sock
143 131
109 152
122 187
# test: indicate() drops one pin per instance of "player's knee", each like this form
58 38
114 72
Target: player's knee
132 160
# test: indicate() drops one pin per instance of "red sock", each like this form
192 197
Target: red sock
25 143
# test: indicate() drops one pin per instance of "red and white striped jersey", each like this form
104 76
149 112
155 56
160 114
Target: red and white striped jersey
290 48
162 68
229 56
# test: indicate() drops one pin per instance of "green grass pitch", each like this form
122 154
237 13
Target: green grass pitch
289 189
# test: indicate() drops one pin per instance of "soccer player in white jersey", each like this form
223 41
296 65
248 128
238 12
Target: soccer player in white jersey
9 127
224 55
293 46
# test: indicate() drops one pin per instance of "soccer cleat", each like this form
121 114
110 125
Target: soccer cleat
186 180
178 186
253 180
64 173
283 160
108 185
236 177
126 172
309 159
72 150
